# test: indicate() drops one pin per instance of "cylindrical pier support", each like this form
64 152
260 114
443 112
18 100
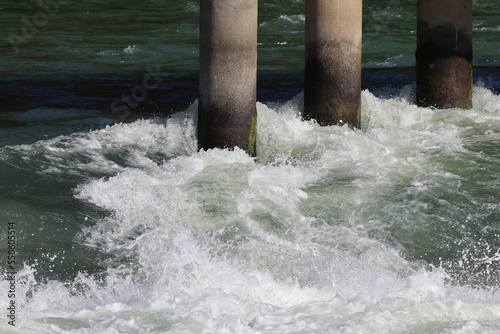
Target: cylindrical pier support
444 53
332 92
228 74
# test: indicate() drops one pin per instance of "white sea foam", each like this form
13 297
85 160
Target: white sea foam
302 239
401 60
117 147
293 18
131 49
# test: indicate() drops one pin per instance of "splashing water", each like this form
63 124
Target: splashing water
393 228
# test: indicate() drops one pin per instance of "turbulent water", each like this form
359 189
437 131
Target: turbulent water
123 227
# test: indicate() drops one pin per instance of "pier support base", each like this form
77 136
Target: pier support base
332 92
444 53
228 74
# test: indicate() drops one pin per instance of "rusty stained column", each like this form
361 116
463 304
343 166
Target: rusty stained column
332 92
228 74
444 53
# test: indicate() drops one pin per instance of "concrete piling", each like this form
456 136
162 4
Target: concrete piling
228 74
332 92
444 53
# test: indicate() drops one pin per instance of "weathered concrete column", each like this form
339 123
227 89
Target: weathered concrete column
332 92
444 53
228 74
